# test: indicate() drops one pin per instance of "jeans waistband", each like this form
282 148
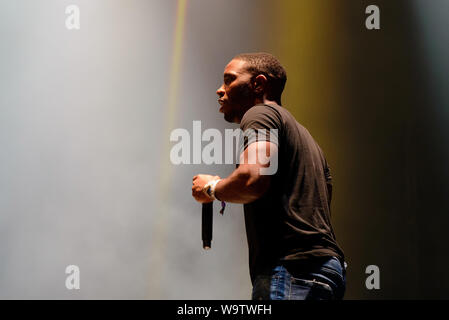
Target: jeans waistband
307 266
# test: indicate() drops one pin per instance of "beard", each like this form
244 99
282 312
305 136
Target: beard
239 101
229 117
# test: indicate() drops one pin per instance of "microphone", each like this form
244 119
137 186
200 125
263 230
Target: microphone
206 227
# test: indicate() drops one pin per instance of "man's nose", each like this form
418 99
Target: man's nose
221 91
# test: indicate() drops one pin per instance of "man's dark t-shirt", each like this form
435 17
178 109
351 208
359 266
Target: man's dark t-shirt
291 222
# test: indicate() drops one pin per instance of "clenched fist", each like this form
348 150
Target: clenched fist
198 183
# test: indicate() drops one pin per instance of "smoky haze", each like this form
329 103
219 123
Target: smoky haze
86 116
82 126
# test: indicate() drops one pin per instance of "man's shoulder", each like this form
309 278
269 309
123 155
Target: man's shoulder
263 112
263 108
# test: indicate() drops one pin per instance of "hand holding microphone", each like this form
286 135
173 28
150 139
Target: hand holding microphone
200 183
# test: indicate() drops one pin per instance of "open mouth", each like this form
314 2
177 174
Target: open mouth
221 105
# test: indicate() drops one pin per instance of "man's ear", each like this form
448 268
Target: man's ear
260 84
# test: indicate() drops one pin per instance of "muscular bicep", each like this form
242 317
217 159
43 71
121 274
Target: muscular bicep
251 180
259 161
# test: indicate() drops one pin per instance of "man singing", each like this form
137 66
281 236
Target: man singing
293 253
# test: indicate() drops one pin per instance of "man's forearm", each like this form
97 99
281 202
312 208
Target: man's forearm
244 185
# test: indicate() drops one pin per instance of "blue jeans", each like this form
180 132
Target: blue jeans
325 280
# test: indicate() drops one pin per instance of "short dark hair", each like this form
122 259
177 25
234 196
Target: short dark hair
268 65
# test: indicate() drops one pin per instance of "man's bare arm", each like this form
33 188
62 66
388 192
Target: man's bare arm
246 183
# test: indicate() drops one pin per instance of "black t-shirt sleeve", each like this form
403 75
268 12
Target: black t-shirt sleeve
261 123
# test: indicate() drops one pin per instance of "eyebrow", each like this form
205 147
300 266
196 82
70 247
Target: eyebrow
229 75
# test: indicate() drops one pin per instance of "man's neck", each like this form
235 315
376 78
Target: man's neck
264 100
258 101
